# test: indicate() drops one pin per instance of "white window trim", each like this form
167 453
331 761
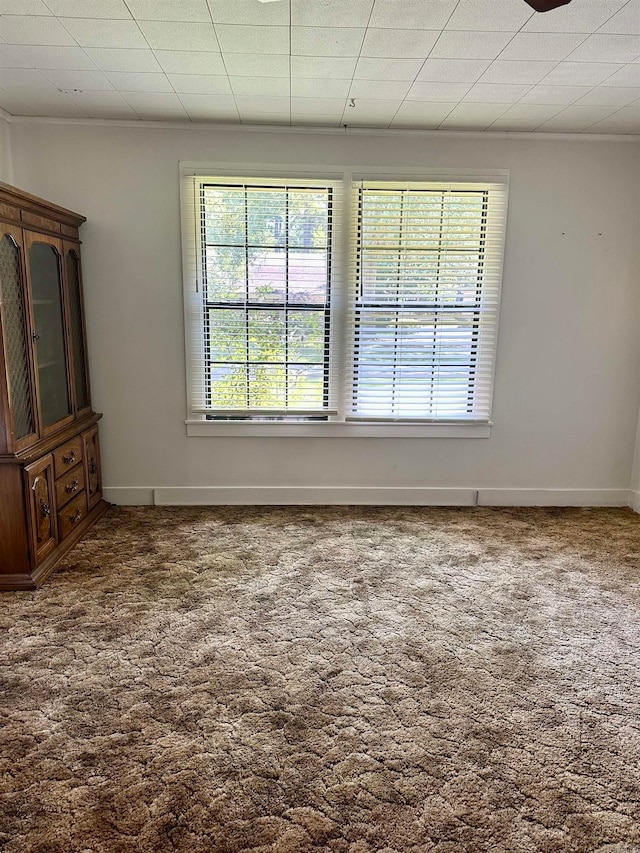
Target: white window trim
336 427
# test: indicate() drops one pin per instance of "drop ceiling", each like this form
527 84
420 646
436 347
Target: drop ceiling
436 64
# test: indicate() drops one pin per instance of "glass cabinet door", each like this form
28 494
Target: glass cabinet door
48 330
16 341
76 328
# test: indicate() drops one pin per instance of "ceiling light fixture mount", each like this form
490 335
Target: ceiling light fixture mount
546 5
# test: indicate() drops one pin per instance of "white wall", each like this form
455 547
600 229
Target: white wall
566 395
6 174
634 498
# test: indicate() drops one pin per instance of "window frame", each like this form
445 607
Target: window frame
335 425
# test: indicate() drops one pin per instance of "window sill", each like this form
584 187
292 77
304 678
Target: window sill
202 428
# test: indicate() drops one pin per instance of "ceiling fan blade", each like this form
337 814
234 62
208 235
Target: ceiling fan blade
546 5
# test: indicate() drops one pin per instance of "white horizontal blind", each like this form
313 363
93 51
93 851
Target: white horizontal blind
426 269
260 265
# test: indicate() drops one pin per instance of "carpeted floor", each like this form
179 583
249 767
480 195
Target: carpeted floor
217 680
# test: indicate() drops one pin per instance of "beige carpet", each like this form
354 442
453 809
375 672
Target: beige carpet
341 679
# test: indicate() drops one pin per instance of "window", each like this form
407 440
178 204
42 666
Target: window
343 301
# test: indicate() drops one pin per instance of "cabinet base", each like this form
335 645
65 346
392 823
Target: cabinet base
34 579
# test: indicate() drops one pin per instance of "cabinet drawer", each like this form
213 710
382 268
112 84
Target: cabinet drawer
69 485
67 456
71 516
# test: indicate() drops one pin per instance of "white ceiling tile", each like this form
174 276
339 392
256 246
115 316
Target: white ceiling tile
330 13
123 113
250 12
59 110
103 104
488 15
259 117
161 114
13 105
234 38
27 78
607 48
380 89
164 35
271 86
214 116
305 120
616 125
200 84
422 114
496 93
581 73
398 44
108 99
83 80
255 64
251 117
632 111
63 58
473 116
541 46
91 32
115 9
370 107
563 95
376 120
116 59
152 100
387 69
190 62
629 75
412 14
453 70
169 10
316 87
626 120
326 41
445 92
624 22
323 106
581 16
24 7
262 104
337 68
10 58
469 44
610 96
514 71
220 104
131 81
36 29
575 119
521 114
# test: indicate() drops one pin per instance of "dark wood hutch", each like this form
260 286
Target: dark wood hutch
50 475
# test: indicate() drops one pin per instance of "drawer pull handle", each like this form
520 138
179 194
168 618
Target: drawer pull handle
72 487
75 518
45 509
93 467
70 458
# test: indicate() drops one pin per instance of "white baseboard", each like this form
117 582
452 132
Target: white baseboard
365 496
128 495
553 497
321 495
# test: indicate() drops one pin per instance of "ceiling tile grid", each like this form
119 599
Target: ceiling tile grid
442 64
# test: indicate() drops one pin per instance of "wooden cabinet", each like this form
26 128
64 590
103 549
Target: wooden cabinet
50 477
